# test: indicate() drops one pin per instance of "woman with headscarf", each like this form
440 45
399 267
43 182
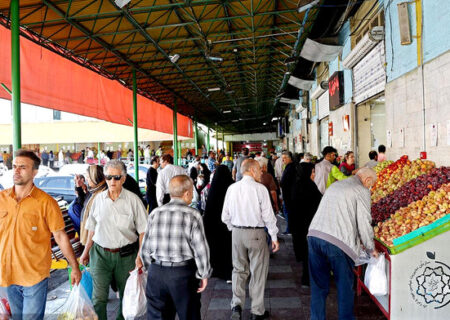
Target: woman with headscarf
205 172
217 234
307 197
96 184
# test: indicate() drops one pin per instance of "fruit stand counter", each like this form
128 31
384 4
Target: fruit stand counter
418 277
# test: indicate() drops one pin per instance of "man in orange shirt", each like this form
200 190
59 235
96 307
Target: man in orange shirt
28 218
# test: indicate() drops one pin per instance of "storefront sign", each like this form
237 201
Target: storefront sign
252 147
330 128
346 122
336 90
313 109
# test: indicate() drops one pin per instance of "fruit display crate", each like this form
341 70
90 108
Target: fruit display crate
418 277
419 235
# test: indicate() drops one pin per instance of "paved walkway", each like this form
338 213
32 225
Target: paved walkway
284 297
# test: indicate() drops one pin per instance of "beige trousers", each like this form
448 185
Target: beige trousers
250 257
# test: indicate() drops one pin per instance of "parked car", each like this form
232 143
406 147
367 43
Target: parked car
57 186
6 179
73 169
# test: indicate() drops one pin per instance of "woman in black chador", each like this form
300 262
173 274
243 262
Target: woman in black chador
306 198
217 233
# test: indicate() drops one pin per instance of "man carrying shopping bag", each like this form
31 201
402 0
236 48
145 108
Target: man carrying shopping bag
116 227
28 218
176 254
340 226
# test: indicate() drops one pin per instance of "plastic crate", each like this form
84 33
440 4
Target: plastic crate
419 235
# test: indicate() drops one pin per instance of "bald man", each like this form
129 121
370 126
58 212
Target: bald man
338 232
247 210
176 253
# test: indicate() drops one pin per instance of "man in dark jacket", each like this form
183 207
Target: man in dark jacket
152 176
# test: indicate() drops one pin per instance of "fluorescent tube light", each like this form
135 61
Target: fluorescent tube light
308 6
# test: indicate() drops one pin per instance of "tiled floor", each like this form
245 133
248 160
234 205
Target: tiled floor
284 297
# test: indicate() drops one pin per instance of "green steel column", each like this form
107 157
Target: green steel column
223 141
180 154
196 137
15 75
217 140
135 129
207 142
175 133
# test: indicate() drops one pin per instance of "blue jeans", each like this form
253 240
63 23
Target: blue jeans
28 303
323 258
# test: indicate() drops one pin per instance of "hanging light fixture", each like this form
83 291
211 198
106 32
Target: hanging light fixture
308 6
121 3
215 59
174 58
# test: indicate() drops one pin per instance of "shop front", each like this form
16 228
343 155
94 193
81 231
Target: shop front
369 80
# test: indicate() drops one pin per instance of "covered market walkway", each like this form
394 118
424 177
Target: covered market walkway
284 296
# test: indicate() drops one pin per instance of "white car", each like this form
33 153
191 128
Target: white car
6 180
73 169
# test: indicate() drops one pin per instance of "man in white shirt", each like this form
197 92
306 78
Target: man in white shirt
164 176
279 168
324 167
246 212
116 226
147 154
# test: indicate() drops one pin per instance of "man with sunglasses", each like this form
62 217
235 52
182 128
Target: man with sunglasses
116 228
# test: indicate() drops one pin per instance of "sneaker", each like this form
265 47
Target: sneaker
287 233
236 313
229 282
260 317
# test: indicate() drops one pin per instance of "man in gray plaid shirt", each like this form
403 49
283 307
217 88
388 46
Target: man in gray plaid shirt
176 254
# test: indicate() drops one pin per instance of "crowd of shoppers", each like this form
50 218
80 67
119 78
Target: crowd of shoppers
218 218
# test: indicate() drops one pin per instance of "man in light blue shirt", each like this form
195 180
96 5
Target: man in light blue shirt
211 163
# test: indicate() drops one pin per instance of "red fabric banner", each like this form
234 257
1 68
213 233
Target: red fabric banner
51 81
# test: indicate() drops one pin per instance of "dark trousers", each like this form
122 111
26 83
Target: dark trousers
172 290
300 245
152 203
323 258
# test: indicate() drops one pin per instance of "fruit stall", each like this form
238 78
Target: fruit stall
411 216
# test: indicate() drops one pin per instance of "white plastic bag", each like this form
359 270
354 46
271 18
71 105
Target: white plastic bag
375 278
134 304
78 306
5 310
364 258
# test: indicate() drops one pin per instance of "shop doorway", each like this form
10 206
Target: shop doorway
371 120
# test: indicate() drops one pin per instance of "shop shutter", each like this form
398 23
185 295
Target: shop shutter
324 105
369 76
324 139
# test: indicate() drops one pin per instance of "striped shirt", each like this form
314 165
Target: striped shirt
175 233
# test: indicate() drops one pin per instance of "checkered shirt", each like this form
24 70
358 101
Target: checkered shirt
175 233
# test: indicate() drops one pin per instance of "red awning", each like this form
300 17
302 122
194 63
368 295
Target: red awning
51 81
